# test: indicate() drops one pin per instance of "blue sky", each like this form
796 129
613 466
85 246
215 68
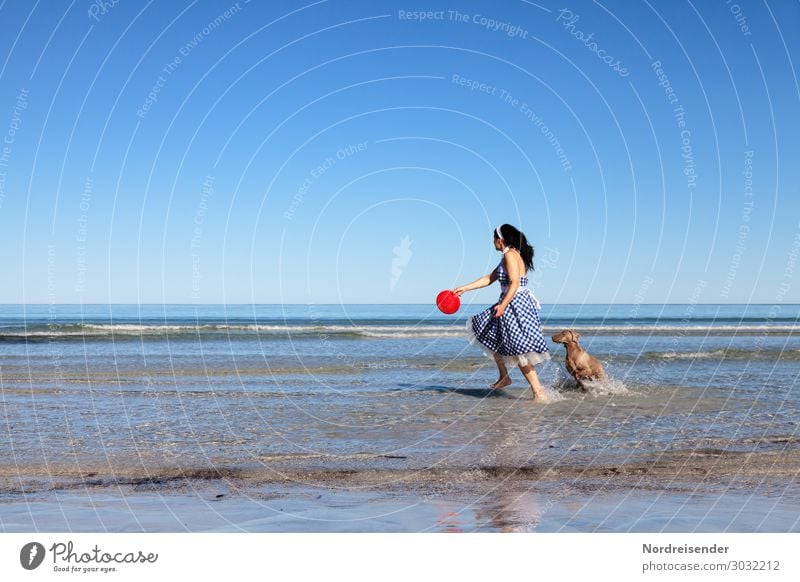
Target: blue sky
332 151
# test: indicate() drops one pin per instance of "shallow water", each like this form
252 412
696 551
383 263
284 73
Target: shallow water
99 396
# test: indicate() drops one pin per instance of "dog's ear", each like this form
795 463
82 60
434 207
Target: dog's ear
575 335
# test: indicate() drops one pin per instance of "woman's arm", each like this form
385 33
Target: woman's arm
512 268
484 281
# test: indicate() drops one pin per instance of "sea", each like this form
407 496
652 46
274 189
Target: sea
393 399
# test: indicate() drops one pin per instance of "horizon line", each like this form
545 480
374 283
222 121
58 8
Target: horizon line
358 303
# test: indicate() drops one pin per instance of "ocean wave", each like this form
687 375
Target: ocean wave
92 331
322 331
727 354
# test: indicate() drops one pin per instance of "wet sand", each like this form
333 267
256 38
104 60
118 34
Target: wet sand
693 490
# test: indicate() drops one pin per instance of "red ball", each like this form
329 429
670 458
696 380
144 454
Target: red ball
448 302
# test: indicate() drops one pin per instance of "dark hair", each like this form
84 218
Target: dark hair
516 239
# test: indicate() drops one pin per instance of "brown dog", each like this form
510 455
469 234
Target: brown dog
579 363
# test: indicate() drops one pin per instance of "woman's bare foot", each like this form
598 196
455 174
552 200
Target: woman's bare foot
540 395
501 383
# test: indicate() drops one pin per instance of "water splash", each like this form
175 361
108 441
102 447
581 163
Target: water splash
552 394
606 387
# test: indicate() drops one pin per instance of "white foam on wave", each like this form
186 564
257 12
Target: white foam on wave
413 334
728 354
721 353
323 330
370 330
680 329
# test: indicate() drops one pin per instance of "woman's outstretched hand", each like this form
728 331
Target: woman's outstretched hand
459 291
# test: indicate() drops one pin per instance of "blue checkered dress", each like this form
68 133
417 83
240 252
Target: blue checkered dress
517 335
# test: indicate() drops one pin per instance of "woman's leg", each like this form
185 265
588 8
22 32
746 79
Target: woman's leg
503 380
533 379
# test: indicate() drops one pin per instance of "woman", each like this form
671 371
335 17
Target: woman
510 330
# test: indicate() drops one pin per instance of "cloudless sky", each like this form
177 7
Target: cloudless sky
339 151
